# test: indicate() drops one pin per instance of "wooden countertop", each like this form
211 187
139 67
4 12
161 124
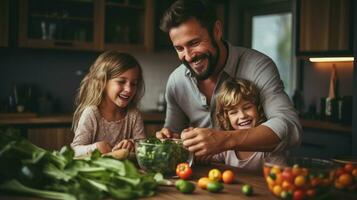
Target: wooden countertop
231 191
149 117
325 125
33 119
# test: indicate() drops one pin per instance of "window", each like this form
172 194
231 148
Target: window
272 35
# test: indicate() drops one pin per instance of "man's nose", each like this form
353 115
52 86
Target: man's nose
188 55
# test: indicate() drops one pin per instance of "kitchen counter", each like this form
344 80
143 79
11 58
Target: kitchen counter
149 117
33 119
231 191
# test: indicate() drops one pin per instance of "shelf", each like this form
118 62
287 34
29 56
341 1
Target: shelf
85 19
125 6
325 125
97 25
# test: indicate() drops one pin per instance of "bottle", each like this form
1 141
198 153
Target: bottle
331 107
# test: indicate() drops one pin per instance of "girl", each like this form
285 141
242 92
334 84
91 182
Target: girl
238 107
106 117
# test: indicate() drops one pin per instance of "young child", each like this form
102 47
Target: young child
238 107
106 117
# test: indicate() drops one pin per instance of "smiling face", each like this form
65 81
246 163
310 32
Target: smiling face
196 48
243 116
121 89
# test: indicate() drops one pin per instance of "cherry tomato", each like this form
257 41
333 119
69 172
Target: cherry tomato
345 179
300 181
288 175
349 167
228 176
311 193
183 170
203 182
340 171
214 175
354 172
298 195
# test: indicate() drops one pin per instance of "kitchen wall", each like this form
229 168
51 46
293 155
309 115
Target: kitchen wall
60 72
316 80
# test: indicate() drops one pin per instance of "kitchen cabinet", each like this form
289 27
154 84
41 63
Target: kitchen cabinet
324 144
50 138
4 23
324 27
53 132
86 24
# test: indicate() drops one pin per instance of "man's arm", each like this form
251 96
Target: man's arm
206 141
282 119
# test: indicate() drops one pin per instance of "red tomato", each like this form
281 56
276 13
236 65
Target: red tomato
349 167
298 195
288 176
183 170
340 171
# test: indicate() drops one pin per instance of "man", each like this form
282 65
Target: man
207 61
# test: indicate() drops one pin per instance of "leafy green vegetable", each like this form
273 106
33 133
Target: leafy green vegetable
160 156
16 186
29 170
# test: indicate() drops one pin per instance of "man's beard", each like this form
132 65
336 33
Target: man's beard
212 63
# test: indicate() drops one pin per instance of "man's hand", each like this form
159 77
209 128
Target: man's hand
124 144
166 133
103 147
205 141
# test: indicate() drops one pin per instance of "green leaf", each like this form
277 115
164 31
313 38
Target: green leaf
52 171
130 169
15 186
133 181
98 185
95 154
120 193
111 164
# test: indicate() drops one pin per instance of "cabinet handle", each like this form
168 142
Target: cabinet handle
311 145
66 44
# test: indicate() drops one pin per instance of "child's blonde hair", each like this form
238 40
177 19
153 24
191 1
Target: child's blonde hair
231 93
107 66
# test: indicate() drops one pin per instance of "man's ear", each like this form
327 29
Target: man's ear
218 30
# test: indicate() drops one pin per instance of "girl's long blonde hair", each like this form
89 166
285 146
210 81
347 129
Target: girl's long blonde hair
231 93
107 66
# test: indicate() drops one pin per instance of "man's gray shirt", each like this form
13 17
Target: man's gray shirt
187 106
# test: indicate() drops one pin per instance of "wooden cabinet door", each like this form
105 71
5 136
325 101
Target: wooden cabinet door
50 138
4 23
57 24
128 25
324 27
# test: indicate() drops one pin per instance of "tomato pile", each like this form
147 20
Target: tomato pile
297 182
346 177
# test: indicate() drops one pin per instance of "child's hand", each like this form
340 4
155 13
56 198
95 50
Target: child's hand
124 144
103 147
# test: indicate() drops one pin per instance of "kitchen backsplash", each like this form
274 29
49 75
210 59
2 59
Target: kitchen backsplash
316 80
58 73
